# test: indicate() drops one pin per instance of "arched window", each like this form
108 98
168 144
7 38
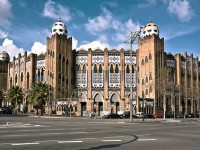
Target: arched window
132 68
42 74
150 89
116 69
63 81
63 64
146 80
111 69
11 81
95 68
150 77
38 75
142 62
84 69
150 56
146 91
67 81
27 80
67 66
59 78
142 81
127 69
100 68
16 78
146 59
22 77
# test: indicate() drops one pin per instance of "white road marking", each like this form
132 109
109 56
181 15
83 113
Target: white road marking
46 141
14 144
85 139
111 140
143 134
147 140
114 136
70 141
50 133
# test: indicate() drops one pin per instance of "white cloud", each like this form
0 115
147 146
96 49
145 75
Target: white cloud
148 3
174 33
181 9
118 30
11 48
99 23
3 34
74 43
54 11
5 12
38 48
94 45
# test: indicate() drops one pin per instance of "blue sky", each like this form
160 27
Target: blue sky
25 24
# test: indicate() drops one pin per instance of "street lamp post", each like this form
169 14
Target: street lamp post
49 111
143 104
134 36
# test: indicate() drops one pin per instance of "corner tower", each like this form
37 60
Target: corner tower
150 64
58 62
4 61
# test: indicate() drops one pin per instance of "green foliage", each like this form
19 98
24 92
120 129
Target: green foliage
15 95
38 96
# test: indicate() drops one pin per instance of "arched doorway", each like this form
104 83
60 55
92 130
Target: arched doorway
114 104
82 100
98 105
189 107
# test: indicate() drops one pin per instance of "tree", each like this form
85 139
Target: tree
38 96
15 96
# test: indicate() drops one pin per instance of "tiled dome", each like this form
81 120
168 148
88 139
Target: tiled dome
150 29
4 56
59 28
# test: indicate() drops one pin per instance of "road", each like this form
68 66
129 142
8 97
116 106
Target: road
44 133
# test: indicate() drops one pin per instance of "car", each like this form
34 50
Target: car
155 116
148 116
169 115
112 116
139 114
5 110
126 114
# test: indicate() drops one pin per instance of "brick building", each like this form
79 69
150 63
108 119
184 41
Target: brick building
99 80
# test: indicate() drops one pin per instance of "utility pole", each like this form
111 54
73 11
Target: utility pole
164 105
174 94
133 39
143 104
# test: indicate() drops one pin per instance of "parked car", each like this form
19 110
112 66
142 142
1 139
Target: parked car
5 110
126 114
169 115
111 116
148 116
157 116
139 114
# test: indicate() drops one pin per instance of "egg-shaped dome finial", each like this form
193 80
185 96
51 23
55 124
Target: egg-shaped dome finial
4 57
150 28
59 28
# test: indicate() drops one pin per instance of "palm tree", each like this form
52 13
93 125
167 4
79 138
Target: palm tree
38 96
15 96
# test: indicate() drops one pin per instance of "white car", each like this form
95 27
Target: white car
139 114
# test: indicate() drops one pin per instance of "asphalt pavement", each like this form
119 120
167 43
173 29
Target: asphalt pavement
82 133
